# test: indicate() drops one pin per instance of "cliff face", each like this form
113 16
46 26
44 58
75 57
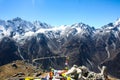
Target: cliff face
84 45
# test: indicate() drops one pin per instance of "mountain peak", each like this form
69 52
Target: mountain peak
82 25
117 22
17 19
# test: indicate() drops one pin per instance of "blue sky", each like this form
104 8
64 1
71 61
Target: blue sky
62 12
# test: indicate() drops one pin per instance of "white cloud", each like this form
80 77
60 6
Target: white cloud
33 3
39 2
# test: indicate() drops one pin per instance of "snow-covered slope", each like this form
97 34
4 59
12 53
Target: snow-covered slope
18 28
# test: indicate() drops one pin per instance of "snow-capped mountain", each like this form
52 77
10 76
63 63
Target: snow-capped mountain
84 45
20 28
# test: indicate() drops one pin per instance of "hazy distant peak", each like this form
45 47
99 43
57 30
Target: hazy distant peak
117 22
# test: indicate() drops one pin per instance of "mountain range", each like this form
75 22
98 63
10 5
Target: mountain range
83 44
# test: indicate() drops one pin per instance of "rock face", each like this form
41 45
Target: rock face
8 51
84 45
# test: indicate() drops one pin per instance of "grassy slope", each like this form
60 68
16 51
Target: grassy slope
8 71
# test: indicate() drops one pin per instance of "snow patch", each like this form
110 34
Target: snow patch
30 33
79 30
108 53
